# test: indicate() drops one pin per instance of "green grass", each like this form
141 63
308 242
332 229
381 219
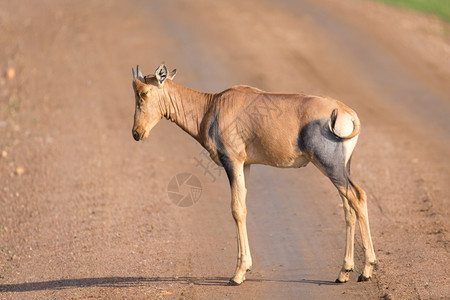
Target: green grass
440 8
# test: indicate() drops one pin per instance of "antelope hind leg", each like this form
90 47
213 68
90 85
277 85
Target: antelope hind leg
350 220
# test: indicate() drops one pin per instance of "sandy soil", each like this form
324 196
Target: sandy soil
85 211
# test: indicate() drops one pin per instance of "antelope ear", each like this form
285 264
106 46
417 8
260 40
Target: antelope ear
172 74
161 74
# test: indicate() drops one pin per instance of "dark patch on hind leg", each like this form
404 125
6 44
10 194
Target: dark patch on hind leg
326 150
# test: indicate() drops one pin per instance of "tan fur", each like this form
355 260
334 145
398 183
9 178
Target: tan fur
244 125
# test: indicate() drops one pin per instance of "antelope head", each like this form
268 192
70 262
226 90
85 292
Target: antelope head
149 92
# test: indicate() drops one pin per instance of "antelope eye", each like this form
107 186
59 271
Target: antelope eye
143 94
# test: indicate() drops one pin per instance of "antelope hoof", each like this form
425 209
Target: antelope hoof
343 279
344 276
233 283
363 278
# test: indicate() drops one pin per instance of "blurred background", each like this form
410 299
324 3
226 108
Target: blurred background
85 211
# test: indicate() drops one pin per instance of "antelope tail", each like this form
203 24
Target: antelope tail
332 125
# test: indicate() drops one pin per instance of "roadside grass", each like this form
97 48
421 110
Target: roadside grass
440 8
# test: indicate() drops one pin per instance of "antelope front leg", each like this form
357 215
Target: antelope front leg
247 246
239 211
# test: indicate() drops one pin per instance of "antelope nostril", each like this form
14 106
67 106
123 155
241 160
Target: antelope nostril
136 135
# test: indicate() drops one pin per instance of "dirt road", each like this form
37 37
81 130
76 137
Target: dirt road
85 211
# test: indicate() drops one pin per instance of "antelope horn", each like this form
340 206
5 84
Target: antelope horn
139 73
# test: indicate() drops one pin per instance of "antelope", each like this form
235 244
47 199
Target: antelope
292 131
